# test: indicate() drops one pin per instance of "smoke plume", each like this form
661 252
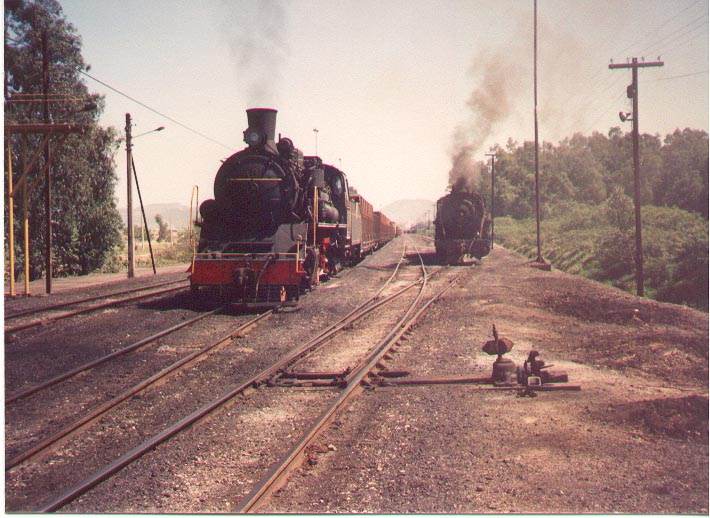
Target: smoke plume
256 34
490 102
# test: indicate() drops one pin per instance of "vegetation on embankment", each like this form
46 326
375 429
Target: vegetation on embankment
587 209
584 240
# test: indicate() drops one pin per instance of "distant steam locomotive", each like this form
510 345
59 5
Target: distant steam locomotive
279 220
462 227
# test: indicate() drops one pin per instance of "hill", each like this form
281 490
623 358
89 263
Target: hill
404 212
174 214
408 212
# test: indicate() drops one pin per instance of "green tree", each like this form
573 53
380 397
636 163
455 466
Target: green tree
163 228
684 179
86 225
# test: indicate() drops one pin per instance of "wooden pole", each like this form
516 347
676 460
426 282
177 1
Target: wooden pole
129 199
633 93
11 216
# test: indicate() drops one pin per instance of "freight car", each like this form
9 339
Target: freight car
385 230
462 227
278 221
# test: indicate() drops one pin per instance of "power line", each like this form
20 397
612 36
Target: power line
675 34
684 43
654 31
231 148
685 31
684 75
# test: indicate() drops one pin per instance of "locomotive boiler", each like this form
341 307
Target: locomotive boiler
278 221
462 227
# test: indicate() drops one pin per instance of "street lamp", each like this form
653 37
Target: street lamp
129 200
160 128
493 190
315 132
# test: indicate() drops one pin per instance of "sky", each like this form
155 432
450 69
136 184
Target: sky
395 89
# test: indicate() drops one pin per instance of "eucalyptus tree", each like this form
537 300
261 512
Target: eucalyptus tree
85 223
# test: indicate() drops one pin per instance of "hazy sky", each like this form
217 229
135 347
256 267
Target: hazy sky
391 86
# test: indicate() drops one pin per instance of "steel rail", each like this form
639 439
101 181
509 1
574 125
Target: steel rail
98 361
94 414
156 440
269 482
394 273
88 299
45 321
356 314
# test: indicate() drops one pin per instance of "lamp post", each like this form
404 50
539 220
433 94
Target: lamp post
315 132
129 189
493 190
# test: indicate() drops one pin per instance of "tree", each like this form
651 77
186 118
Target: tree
684 179
163 228
86 225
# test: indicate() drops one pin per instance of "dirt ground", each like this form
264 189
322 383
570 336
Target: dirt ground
634 439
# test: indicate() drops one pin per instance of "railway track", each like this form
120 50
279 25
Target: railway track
356 382
291 367
28 318
262 378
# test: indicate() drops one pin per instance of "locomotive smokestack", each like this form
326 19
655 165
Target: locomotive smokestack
262 127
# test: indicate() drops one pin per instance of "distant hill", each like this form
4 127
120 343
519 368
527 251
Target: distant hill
404 212
408 212
173 214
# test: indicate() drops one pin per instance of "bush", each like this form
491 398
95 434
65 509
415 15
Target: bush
595 243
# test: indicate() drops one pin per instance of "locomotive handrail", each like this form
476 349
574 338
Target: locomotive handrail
261 273
255 179
249 254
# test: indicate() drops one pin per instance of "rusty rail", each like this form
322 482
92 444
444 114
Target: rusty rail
94 414
97 307
87 299
90 365
261 378
283 467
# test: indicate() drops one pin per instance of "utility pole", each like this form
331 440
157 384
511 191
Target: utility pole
129 199
633 93
48 173
539 262
493 191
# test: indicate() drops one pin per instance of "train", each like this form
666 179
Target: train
279 222
462 227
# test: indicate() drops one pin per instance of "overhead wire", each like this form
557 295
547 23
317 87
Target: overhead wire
171 119
684 43
683 75
656 29
611 81
188 128
675 34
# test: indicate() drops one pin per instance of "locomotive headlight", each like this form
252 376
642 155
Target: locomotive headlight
253 137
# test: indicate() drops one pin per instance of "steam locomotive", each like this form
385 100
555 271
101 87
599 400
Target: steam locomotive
462 226
278 221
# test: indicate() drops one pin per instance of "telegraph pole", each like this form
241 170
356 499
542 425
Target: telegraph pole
493 192
633 93
129 199
48 173
539 262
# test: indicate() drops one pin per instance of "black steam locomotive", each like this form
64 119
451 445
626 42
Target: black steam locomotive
278 221
462 227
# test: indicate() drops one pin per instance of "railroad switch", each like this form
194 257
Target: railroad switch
310 379
532 376
504 369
